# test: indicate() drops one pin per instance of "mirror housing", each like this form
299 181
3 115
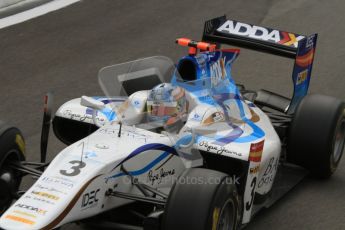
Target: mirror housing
92 103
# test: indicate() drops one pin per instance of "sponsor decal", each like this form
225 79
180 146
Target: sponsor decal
218 116
80 117
306 59
254 170
70 205
302 76
45 195
218 73
58 181
290 39
256 151
24 213
260 33
32 208
270 171
310 41
215 117
49 189
90 199
20 142
221 150
42 200
158 176
20 219
196 117
209 147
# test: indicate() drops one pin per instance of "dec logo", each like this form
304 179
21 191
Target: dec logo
90 198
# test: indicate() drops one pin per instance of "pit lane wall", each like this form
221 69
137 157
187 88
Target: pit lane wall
5 3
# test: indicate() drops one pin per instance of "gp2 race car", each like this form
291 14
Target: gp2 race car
177 146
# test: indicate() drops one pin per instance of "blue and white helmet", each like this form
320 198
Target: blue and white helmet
165 102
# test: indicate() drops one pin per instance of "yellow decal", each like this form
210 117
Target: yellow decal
215 218
46 195
20 142
24 213
20 219
254 170
292 41
302 76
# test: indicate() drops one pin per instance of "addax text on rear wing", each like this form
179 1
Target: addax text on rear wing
301 48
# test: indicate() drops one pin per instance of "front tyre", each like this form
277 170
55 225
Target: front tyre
202 199
317 135
12 149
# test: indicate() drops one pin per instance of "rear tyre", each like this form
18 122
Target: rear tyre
202 199
317 135
12 149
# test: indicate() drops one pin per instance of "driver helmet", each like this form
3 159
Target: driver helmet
166 103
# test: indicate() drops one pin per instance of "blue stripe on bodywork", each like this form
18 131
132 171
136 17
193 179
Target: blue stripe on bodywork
154 146
145 169
235 134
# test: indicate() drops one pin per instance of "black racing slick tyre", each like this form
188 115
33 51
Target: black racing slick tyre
12 148
317 135
202 199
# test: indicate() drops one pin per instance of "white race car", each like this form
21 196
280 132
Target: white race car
177 146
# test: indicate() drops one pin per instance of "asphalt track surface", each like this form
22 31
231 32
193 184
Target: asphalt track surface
63 51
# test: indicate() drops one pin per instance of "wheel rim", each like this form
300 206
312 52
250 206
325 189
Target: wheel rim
339 142
227 216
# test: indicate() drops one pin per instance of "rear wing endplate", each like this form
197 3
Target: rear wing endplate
301 48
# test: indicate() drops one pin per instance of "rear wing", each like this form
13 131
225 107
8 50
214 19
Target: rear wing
301 48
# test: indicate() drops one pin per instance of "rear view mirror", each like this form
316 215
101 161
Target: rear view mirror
92 103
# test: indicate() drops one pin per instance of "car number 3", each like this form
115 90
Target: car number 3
75 169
